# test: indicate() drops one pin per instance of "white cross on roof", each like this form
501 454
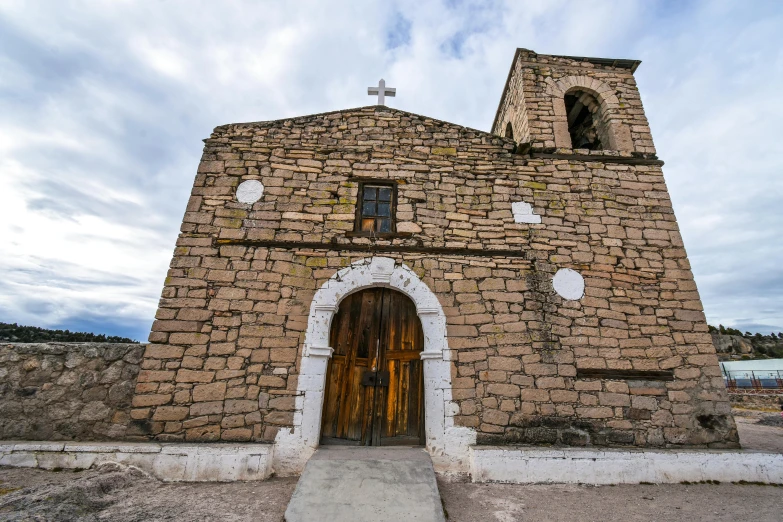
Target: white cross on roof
382 91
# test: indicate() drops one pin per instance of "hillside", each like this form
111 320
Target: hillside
731 343
32 334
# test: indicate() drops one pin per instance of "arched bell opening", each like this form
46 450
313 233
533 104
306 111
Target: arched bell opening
585 125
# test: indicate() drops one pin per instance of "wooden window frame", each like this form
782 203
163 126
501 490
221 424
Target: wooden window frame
357 226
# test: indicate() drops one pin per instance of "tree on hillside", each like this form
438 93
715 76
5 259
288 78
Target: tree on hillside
32 334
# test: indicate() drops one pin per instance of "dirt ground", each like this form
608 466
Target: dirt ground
509 503
114 493
760 437
120 495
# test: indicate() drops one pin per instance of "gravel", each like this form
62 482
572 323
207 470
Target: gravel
466 502
776 419
122 494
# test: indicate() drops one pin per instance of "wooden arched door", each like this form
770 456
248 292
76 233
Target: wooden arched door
374 393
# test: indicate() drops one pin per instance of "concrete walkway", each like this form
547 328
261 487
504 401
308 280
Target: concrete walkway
361 484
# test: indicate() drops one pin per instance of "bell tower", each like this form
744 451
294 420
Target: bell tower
570 103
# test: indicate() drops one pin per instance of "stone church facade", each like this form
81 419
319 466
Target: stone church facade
543 261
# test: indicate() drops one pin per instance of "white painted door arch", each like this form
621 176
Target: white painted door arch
448 444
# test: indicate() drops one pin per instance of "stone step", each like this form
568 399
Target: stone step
360 484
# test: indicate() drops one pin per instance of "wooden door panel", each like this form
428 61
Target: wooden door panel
354 339
375 330
404 404
334 374
403 341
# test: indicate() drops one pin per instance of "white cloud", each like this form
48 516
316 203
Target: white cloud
164 57
104 105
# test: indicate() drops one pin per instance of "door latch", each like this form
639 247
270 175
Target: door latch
371 378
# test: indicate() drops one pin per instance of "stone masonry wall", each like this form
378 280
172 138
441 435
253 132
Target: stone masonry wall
513 108
529 104
226 345
66 391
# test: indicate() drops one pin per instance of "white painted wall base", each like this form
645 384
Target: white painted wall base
246 462
167 462
615 466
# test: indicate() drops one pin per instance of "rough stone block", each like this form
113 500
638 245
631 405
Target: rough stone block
209 392
170 413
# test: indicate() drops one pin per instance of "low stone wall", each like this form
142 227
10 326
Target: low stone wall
770 401
67 391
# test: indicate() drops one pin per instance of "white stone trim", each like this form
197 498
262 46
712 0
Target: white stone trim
250 191
320 351
325 306
569 284
446 443
523 213
621 466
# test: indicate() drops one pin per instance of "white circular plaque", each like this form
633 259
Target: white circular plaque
250 191
569 284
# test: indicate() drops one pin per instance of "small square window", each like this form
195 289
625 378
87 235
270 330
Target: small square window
375 211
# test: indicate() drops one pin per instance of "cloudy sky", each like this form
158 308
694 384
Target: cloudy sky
103 106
